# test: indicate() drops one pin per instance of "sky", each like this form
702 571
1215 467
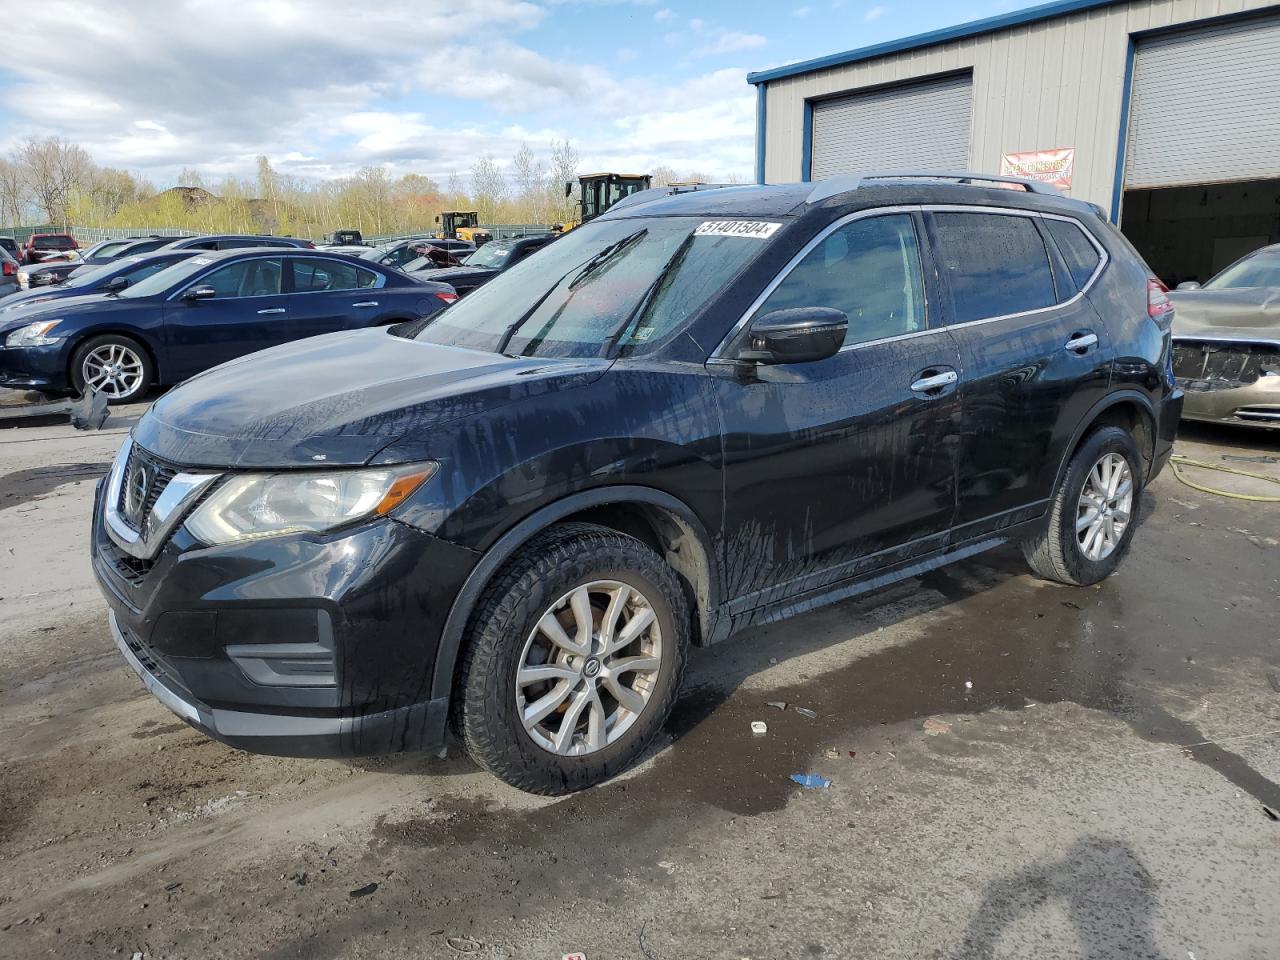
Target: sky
323 88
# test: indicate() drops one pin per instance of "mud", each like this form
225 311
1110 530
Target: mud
1098 789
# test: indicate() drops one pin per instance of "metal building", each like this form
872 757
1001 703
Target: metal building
1166 113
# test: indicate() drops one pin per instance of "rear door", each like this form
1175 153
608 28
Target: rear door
842 466
247 313
329 295
1036 358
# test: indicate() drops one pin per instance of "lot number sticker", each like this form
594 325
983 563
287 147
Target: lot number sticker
759 229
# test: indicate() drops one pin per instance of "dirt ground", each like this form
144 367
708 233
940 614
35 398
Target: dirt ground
1018 770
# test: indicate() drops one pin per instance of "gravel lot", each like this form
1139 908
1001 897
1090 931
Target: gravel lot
1098 791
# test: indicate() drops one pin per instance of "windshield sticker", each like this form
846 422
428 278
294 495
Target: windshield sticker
759 229
201 260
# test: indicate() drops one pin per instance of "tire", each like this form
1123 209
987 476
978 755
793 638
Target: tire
137 371
1061 552
505 635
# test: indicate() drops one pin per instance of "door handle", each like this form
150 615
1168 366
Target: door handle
366 303
935 381
1081 343
272 310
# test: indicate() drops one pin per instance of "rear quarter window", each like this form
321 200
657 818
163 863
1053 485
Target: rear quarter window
994 264
1079 253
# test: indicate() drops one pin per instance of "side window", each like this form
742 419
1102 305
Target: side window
312 274
245 278
870 269
1080 254
996 264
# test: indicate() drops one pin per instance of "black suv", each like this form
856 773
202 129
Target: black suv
695 414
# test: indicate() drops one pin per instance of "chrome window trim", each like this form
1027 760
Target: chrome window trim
1104 258
382 279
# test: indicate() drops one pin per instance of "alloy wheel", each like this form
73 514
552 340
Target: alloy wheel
113 369
588 668
1105 505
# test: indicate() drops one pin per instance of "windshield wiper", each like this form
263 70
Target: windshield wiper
677 258
608 253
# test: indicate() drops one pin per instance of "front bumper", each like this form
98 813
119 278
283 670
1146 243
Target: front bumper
34 368
1255 404
296 646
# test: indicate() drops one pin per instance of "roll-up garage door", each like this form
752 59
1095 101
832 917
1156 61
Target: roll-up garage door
1205 106
920 127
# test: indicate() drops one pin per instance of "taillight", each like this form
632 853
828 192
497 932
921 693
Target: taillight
10 268
449 297
1159 306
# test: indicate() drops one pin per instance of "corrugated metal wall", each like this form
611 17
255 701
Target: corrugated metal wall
920 126
1054 84
1204 106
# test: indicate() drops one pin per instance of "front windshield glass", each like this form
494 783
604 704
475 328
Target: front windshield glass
1257 271
166 278
632 282
83 276
490 255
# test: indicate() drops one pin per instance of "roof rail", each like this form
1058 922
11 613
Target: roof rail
847 183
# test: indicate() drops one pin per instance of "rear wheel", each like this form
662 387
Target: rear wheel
573 661
1091 519
113 364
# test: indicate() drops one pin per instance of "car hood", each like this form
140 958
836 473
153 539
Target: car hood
450 274
1244 313
342 399
24 313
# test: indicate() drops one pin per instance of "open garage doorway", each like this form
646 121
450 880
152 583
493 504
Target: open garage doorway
1191 233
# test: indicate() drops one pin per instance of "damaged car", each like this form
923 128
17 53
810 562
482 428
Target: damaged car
1226 342
696 414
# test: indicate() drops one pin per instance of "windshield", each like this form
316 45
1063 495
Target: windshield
629 282
170 276
1257 271
490 255
83 276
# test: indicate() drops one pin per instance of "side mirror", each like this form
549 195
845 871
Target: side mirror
797 335
199 293
568 189
437 218
115 284
1188 285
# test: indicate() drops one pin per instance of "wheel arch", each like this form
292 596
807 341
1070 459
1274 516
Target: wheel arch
652 516
1129 409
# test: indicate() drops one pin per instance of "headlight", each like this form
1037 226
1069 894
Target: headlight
33 335
249 506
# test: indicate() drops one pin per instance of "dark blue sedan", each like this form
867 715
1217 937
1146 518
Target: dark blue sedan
196 314
104 278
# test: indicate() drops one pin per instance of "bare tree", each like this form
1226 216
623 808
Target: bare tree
530 177
564 170
488 188
14 196
53 169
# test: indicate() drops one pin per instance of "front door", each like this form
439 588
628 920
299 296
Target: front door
848 464
1036 356
248 312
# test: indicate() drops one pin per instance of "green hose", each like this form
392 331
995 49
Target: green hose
1177 459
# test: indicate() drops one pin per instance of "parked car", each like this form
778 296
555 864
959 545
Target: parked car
398 252
106 278
49 273
110 250
8 274
10 246
1226 342
209 309
235 241
40 245
486 263
693 415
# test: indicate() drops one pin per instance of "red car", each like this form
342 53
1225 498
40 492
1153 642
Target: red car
40 245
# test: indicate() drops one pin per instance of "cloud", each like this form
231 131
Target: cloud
875 13
802 11
664 14
323 87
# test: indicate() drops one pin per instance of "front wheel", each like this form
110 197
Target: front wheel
113 364
573 660
1093 513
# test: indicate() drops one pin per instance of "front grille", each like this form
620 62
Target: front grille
1215 364
159 474
131 570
